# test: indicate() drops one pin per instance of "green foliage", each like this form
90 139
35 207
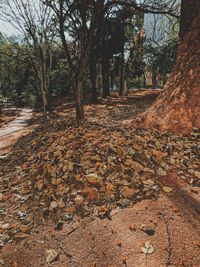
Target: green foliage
61 78
18 79
162 58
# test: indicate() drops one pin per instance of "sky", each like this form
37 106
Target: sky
7 29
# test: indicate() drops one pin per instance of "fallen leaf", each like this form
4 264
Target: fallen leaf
127 192
93 179
161 172
53 205
148 248
20 236
26 228
167 189
51 255
92 193
78 201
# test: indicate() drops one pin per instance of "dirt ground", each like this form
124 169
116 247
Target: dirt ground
170 222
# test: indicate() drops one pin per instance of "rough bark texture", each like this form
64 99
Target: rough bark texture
189 10
177 109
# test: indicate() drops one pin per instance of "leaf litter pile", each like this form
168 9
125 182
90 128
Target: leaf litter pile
63 173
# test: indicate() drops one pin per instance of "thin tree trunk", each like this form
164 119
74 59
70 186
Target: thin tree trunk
78 98
105 77
93 77
112 81
125 88
121 82
154 78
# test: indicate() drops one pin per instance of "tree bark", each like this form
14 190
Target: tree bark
105 76
93 77
121 82
189 10
177 109
78 98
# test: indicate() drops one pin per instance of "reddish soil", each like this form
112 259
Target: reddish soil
171 223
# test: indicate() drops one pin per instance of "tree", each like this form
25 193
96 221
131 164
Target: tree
81 19
35 23
178 107
81 25
135 64
161 59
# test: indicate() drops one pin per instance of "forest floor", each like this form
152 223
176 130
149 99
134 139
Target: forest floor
101 194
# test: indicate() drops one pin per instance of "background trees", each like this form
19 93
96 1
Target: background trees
35 22
178 106
79 38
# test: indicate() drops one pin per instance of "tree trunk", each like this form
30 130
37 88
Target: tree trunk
78 98
112 81
105 77
177 109
44 95
93 77
121 83
189 10
154 78
125 87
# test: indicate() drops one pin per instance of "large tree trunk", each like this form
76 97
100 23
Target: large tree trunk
177 109
189 11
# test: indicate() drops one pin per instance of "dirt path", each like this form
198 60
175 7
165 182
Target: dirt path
9 133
